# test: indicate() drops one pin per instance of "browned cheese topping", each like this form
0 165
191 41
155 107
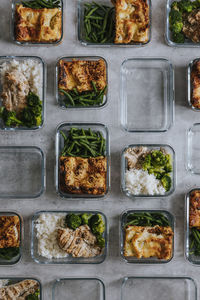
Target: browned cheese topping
194 217
37 25
83 175
9 231
195 82
132 21
79 74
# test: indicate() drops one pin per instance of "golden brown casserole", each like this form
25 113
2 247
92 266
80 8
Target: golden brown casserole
79 74
83 175
194 217
132 21
9 231
38 25
195 82
148 241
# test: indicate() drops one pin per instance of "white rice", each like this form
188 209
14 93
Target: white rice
141 182
46 228
3 282
30 68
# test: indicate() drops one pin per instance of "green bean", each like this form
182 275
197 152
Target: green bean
68 96
147 219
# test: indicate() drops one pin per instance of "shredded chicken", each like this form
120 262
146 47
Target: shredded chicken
79 243
15 91
19 291
134 155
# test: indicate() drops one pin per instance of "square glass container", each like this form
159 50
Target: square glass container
124 168
151 260
192 258
16 258
78 289
60 98
13 6
14 280
81 31
7 59
190 88
168 34
65 127
147 94
163 288
22 172
193 149
69 259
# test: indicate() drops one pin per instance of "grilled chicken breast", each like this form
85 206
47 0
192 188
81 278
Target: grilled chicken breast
83 175
144 242
15 91
37 25
194 211
79 74
195 82
79 243
132 21
191 26
19 291
9 231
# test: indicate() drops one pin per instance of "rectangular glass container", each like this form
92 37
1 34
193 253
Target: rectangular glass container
14 280
13 5
169 150
4 59
59 98
65 127
17 258
151 260
192 258
81 31
69 259
189 70
168 34
163 288
147 94
78 289
193 149
22 172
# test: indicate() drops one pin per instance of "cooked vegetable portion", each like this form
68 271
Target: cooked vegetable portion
36 4
184 21
147 219
194 222
73 221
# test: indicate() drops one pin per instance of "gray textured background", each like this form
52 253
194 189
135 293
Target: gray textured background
114 268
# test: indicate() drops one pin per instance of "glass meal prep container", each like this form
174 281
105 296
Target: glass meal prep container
22 170
29 43
151 260
190 88
19 291
168 34
189 250
16 258
163 288
69 259
78 289
10 59
124 168
65 127
60 98
147 94
82 33
193 149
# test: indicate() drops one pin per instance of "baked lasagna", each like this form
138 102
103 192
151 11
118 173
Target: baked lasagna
132 21
79 74
195 82
38 25
83 175
146 242
9 231
194 210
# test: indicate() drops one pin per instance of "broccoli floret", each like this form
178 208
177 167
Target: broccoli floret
100 241
196 4
32 114
85 218
34 296
175 5
175 16
166 182
186 6
147 162
73 221
9 117
97 224
178 38
177 27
